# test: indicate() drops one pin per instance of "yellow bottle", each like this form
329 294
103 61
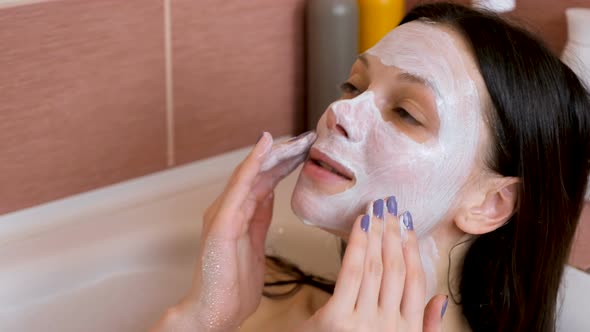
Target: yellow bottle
376 19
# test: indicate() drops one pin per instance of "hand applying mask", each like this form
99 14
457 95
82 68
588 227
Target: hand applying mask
381 285
228 282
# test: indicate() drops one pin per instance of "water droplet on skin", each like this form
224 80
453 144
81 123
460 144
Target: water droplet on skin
213 293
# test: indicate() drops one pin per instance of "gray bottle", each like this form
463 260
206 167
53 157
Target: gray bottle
332 47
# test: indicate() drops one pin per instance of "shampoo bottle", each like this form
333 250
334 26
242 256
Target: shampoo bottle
577 49
332 39
377 18
576 53
498 6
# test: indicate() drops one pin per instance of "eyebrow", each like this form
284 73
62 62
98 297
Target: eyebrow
420 80
415 79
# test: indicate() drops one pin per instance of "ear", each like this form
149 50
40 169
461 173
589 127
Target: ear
492 209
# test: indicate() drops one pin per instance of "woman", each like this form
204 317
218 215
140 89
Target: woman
467 125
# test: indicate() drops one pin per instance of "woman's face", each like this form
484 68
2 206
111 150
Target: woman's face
409 124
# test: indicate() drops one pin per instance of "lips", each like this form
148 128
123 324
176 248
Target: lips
322 160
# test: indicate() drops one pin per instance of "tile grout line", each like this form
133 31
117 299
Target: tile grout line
169 85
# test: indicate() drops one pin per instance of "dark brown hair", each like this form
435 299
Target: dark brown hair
540 132
539 123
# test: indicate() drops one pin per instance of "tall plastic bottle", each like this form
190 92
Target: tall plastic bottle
498 6
377 18
332 41
576 53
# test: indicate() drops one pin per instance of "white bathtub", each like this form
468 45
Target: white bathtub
115 258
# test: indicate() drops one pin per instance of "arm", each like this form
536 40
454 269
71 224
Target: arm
228 281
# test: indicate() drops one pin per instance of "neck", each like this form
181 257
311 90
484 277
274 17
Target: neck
442 253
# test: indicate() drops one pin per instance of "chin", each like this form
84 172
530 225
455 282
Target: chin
332 213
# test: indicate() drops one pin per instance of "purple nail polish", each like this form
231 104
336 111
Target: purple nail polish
408 222
392 205
444 308
378 208
365 222
299 136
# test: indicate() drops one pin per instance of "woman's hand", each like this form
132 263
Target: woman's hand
230 272
381 285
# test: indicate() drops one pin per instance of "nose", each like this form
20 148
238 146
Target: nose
333 124
341 120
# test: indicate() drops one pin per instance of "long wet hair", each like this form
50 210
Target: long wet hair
539 122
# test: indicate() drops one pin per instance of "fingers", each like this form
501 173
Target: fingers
238 190
393 260
412 306
267 181
247 187
293 148
282 160
434 313
261 222
373 266
382 269
243 177
351 273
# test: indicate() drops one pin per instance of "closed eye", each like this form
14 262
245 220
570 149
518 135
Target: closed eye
406 117
349 90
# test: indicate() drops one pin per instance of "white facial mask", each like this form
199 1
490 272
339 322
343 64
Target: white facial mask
424 177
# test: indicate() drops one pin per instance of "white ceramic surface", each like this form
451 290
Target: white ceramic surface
576 53
115 258
499 6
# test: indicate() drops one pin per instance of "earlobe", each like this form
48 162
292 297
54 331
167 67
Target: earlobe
497 206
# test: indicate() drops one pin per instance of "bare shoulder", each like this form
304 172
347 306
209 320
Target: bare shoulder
276 314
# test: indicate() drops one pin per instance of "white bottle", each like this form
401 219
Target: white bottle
577 49
498 6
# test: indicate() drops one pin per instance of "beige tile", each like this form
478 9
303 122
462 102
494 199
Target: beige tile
238 70
82 97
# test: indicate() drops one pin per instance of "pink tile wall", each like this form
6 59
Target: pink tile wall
82 97
238 70
83 88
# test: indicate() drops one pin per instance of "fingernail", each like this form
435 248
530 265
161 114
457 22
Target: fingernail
392 205
299 136
260 149
444 308
378 208
407 219
365 222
